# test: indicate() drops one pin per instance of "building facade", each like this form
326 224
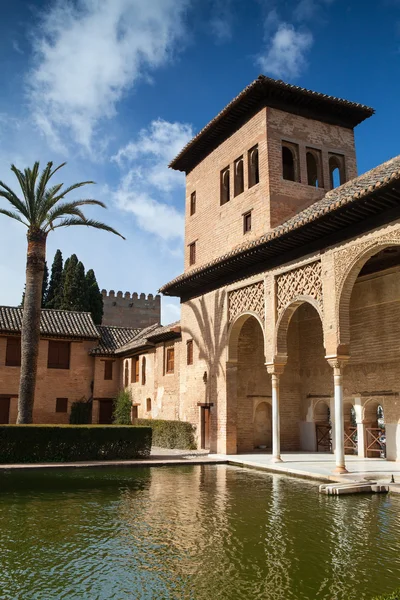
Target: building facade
290 294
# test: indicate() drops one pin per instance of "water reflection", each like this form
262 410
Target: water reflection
192 533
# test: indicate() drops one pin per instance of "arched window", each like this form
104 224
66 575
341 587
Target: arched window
254 176
144 370
313 168
225 186
290 161
238 184
336 170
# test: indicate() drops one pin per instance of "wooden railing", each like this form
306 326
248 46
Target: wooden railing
350 440
324 439
375 442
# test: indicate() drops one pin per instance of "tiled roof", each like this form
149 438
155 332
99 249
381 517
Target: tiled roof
112 338
150 336
381 178
54 323
265 91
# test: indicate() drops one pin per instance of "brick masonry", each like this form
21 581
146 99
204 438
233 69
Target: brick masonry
126 310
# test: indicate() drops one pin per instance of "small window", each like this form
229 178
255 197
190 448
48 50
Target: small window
192 203
126 374
238 183
13 352
314 168
336 170
134 413
135 370
192 253
59 355
189 352
108 369
254 175
247 222
290 161
61 405
144 370
148 404
225 186
170 360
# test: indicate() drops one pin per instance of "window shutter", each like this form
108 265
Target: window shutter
13 352
108 369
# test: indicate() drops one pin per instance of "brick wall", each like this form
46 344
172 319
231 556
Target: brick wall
125 310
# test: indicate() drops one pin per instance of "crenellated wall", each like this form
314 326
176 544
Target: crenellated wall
126 310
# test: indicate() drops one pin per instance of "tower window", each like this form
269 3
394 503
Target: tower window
192 253
148 404
254 175
336 170
314 168
135 370
126 374
225 186
290 161
192 203
238 186
144 370
108 369
247 222
170 360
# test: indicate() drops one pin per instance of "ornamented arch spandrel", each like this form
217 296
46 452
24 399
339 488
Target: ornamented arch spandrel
302 283
248 299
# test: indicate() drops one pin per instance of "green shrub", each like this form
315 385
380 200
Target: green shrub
122 408
68 443
81 412
171 434
392 596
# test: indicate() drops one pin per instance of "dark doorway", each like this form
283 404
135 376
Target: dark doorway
105 412
4 410
205 427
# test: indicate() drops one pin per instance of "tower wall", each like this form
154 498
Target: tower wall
126 310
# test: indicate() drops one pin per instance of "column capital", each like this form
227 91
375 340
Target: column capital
338 361
276 367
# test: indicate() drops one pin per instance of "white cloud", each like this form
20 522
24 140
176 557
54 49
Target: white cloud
285 55
90 53
145 190
309 9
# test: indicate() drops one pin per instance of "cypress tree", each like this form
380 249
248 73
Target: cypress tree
54 290
78 289
94 297
68 287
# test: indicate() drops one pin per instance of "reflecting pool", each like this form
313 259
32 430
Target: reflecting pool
195 532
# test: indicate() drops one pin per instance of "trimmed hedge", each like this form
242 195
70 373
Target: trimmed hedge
171 434
69 443
392 596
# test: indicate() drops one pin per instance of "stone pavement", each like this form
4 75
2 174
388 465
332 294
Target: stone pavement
320 466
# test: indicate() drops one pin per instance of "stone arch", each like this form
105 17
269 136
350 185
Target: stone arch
234 333
348 280
322 411
370 410
283 322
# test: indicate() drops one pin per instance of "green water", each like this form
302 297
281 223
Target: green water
202 533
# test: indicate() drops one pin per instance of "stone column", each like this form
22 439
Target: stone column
275 372
338 363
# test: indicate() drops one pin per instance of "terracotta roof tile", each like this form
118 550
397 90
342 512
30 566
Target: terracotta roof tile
112 338
54 323
150 336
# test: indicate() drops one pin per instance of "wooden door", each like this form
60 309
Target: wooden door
4 410
205 428
105 412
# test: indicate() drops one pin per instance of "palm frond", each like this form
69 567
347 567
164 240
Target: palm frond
71 188
44 178
13 215
13 199
21 180
31 176
89 223
56 169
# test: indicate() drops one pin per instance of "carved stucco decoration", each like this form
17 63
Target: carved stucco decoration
345 259
303 281
247 299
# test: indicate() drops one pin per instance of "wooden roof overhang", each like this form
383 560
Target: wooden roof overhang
267 92
360 215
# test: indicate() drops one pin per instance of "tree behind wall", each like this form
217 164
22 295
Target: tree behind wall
53 297
44 287
94 297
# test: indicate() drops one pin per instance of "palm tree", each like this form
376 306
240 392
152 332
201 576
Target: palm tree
41 209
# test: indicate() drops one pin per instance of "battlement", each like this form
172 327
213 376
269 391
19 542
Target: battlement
131 310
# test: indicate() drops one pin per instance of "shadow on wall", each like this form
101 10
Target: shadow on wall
212 340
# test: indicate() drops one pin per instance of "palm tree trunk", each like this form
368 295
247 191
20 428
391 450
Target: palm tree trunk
35 262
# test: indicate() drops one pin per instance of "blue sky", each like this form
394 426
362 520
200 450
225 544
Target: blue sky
117 87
